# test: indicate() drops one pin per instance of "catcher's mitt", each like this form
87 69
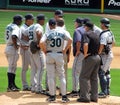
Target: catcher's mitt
33 47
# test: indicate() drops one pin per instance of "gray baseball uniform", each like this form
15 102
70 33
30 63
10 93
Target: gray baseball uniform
54 45
25 56
36 60
10 52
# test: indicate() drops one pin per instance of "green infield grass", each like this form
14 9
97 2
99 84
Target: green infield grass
6 18
115 73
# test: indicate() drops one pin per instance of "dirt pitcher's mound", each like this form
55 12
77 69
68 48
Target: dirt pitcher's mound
28 98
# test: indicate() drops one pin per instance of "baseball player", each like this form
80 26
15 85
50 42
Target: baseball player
29 19
60 26
107 40
78 55
52 44
11 50
57 15
35 33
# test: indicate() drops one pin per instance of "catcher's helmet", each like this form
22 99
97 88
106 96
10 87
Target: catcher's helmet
105 21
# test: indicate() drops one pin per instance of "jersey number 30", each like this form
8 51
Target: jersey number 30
55 42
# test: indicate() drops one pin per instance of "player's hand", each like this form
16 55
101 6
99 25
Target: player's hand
68 59
16 46
64 51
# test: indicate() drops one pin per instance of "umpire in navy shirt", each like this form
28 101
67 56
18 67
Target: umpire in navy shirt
90 66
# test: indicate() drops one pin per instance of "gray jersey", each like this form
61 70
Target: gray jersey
55 39
32 30
23 29
47 28
11 29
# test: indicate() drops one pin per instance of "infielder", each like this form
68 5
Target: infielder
107 40
35 33
11 50
25 55
52 44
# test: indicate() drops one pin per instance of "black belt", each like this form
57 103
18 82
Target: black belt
53 51
93 54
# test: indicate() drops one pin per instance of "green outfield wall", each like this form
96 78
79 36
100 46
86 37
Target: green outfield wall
91 6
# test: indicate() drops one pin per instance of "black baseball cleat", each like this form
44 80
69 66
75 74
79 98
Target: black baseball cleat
73 93
12 89
83 100
41 92
102 95
51 99
65 99
26 89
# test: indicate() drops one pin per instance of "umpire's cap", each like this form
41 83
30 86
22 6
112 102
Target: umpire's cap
105 21
59 13
17 18
52 22
90 25
79 20
29 17
85 20
41 17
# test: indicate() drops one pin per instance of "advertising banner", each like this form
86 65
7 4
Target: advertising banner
112 4
85 4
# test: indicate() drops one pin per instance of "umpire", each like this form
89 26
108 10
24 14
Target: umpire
90 66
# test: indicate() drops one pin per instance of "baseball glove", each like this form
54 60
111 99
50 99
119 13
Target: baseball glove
33 47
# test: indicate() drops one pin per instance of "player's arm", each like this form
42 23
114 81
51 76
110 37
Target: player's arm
14 39
39 35
101 48
42 43
78 41
85 47
68 54
68 45
78 45
103 42
69 42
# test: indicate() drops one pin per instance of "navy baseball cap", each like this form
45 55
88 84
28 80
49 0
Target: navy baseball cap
41 17
17 17
85 20
29 17
78 20
89 24
59 13
52 22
